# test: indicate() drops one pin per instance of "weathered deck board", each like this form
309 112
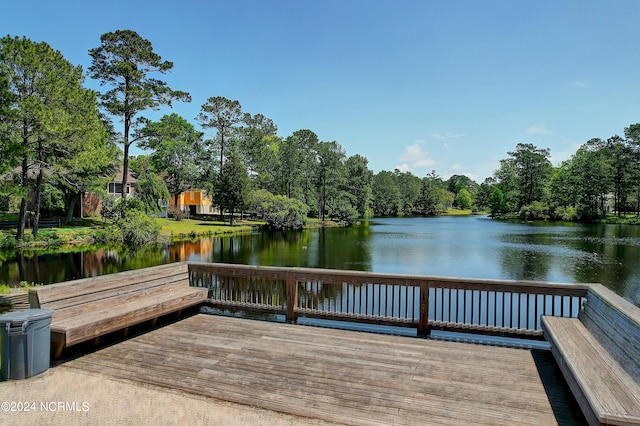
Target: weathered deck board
337 375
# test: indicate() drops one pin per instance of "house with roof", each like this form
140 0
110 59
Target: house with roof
115 186
194 202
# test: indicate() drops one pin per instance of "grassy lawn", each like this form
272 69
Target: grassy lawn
189 227
458 212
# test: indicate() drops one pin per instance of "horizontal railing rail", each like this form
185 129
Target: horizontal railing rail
498 307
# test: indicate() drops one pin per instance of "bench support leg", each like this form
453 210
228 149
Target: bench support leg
96 341
125 331
57 350
153 322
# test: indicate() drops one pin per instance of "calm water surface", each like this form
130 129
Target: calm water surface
450 246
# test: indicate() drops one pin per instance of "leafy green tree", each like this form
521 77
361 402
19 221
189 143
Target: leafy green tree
620 157
463 199
269 170
497 202
507 179
52 119
177 152
291 159
562 193
126 62
409 186
632 135
484 193
233 185
591 173
311 154
329 176
90 164
255 142
434 199
224 115
386 194
533 170
149 189
7 158
358 184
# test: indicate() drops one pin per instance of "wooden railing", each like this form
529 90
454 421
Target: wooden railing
498 307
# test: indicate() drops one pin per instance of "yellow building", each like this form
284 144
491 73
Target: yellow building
195 201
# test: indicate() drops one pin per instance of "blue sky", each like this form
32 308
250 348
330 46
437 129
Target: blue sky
415 85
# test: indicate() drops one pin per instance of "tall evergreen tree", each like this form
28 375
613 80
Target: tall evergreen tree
126 62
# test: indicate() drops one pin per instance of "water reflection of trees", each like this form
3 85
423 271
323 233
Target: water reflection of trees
519 264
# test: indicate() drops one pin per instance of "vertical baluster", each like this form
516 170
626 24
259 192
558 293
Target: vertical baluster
366 295
472 304
535 312
504 308
486 308
442 305
406 301
393 301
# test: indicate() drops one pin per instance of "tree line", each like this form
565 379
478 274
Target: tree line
601 178
58 140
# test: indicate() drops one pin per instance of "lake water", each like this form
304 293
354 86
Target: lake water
449 246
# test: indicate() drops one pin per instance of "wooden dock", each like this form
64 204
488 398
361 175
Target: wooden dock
343 376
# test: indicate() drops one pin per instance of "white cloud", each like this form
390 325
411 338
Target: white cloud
403 167
415 157
538 129
580 84
447 135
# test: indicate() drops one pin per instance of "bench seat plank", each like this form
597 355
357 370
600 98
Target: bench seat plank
110 305
128 314
606 393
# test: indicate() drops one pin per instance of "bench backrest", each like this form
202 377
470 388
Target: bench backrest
615 322
72 293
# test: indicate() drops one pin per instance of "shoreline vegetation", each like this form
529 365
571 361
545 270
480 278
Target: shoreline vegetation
90 231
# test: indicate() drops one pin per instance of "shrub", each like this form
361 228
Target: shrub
175 213
138 229
535 211
568 214
108 207
107 234
7 242
279 212
344 211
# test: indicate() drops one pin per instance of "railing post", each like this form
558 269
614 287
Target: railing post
423 321
292 297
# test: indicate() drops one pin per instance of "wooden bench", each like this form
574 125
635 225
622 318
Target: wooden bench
599 356
89 308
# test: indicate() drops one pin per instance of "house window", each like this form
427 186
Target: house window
128 188
192 195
